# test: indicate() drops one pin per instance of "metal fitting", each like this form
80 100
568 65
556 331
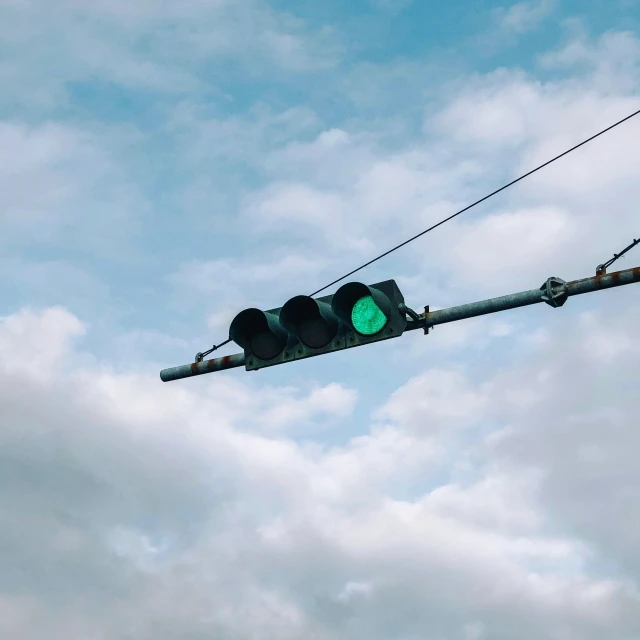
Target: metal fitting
556 293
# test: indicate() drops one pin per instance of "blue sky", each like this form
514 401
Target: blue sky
166 165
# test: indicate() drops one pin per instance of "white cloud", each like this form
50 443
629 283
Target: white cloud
498 501
50 180
207 136
347 194
226 286
525 16
144 45
35 344
219 275
354 590
509 245
553 223
612 61
435 399
280 409
392 6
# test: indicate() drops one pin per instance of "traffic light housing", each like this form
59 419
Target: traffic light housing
304 327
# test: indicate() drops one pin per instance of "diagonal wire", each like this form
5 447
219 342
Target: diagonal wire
602 268
477 202
200 356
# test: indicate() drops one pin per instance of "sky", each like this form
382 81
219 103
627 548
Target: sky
165 165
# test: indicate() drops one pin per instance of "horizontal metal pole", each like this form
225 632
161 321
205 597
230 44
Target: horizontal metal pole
206 366
605 281
512 301
525 298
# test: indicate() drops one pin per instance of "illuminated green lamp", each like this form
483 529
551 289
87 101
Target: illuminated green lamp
366 316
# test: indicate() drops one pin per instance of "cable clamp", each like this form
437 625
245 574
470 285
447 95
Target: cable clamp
200 356
601 269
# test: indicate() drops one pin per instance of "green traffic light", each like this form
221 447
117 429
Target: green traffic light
367 317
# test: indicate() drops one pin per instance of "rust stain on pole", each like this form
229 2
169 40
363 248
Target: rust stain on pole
206 366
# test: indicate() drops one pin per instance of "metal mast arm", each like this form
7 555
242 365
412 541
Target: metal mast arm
553 292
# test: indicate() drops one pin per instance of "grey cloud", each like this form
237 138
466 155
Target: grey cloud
130 509
584 434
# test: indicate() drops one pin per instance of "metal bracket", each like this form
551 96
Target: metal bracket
555 298
200 356
601 269
417 320
402 308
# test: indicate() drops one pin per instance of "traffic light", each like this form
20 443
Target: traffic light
304 327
